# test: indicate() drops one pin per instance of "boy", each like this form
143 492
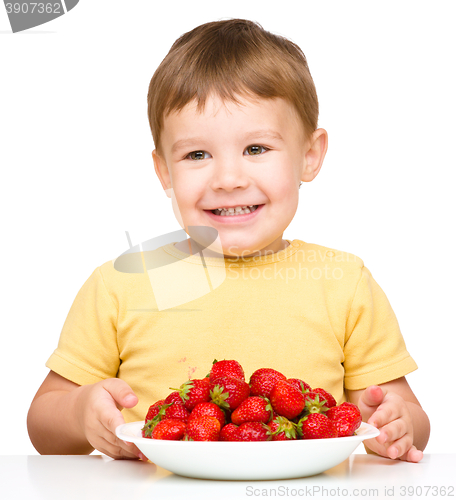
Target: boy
233 112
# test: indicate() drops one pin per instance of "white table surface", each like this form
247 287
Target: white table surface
99 477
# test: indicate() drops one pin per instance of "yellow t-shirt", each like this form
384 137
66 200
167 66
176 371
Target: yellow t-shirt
309 311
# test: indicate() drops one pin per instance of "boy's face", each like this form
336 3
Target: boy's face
233 155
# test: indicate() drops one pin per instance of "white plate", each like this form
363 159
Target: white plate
246 460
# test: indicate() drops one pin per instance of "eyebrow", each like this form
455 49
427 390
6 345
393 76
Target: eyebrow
257 134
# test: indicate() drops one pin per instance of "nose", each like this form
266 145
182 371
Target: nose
229 173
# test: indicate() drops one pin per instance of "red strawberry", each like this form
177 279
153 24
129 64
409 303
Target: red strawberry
171 430
228 392
229 432
282 429
314 403
330 401
172 411
346 417
150 420
176 411
194 392
252 409
286 400
253 431
210 409
226 368
204 428
174 397
316 426
153 410
263 380
299 384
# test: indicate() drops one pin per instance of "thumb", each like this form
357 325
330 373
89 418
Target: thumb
369 400
121 392
372 396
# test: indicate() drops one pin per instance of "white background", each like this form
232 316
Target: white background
76 167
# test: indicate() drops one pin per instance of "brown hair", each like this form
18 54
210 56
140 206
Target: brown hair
231 58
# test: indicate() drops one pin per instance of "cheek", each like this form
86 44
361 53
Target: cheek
188 193
284 190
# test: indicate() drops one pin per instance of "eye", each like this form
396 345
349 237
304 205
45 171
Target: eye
198 155
255 150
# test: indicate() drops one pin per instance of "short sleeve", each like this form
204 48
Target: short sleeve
374 350
87 351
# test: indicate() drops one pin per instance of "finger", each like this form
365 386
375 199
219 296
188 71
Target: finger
110 417
116 452
372 396
399 447
100 431
121 392
115 443
412 455
385 414
111 437
392 432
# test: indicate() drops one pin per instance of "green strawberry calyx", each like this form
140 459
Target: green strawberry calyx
219 397
300 424
268 408
149 426
315 406
284 425
184 390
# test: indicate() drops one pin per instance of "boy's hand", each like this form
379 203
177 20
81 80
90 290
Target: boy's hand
98 410
390 414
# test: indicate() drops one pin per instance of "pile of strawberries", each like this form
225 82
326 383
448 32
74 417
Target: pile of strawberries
224 407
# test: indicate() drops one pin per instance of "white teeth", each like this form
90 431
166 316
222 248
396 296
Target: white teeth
246 209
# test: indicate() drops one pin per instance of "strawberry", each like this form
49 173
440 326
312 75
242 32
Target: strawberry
316 426
346 417
254 431
282 429
330 401
174 397
175 411
228 392
204 428
252 409
172 411
263 380
299 384
193 392
314 403
171 430
149 422
286 400
226 368
153 410
210 409
229 432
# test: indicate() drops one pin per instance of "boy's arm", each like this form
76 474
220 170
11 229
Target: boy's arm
395 410
68 419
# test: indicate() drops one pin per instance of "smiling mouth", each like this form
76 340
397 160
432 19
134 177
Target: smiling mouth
229 212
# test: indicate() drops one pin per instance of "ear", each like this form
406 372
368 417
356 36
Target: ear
161 169
315 154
